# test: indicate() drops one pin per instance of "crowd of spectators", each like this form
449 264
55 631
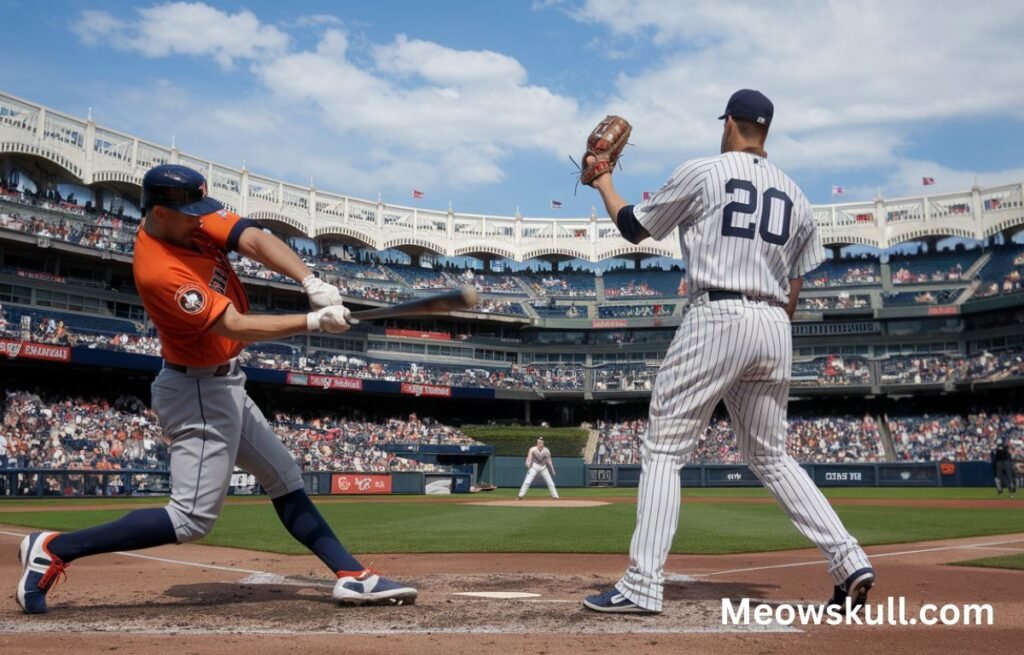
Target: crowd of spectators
81 433
489 283
842 301
934 297
637 377
548 308
931 369
630 289
76 433
831 371
950 437
1012 278
635 311
904 275
573 286
326 443
843 273
822 439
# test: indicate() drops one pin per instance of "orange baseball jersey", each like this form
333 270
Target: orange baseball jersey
185 291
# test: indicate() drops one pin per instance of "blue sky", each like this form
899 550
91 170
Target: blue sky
481 103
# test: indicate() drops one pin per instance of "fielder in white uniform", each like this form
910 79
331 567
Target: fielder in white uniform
538 460
748 236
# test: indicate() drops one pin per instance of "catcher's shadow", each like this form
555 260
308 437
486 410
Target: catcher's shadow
708 590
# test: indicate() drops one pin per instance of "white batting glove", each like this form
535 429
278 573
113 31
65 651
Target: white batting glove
320 293
334 319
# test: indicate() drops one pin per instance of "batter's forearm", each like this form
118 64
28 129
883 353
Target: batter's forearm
249 328
272 253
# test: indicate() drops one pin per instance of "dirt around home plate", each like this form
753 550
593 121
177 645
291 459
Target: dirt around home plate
204 599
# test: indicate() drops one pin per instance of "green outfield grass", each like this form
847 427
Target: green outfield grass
413 526
1015 562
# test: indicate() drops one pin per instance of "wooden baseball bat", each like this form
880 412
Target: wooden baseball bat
463 298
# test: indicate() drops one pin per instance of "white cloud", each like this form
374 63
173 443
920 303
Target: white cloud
460 110
445 66
838 72
408 110
849 81
184 28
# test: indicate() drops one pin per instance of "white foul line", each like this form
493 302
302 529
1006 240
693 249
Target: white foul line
165 560
876 556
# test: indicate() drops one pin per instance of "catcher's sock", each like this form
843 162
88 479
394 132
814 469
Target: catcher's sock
300 516
143 528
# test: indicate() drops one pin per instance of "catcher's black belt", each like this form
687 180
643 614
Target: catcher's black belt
721 294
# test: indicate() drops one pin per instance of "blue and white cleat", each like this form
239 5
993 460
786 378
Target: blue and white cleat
368 587
855 588
614 602
40 571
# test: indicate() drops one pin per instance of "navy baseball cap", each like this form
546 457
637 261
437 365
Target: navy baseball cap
750 105
179 188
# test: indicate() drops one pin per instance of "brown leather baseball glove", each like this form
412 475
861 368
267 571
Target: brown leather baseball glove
605 144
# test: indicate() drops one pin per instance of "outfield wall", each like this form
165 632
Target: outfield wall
882 474
505 472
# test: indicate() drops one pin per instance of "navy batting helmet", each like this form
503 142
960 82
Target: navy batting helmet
179 188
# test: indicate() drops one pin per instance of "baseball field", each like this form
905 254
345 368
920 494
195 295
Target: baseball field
249 586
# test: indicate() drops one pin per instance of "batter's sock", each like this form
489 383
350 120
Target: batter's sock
300 516
143 528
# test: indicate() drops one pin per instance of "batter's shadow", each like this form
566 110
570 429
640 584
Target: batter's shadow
211 594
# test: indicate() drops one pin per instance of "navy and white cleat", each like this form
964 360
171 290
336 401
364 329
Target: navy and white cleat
40 570
855 587
368 587
613 602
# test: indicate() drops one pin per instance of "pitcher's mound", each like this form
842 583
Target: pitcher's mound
546 502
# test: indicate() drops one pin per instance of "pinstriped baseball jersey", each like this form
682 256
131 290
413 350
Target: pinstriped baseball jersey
540 455
745 226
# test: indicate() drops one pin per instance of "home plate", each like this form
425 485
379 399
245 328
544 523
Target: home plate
496 594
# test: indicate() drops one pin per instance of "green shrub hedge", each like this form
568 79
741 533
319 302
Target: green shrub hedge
515 440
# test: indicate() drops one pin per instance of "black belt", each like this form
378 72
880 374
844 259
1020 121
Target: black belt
220 372
719 294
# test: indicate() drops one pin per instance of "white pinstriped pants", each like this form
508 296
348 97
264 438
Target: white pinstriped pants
545 474
740 351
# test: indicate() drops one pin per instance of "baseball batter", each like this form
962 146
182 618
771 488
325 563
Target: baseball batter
538 460
748 236
200 309
1002 467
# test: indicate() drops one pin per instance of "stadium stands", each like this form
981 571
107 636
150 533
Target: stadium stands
842 301
845 273
94 433
932 297
635 311
936 267
641 284
831 371
546 309
632 377
1003 273
562 285
821 439
949 437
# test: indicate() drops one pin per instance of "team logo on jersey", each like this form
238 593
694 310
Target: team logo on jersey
190 298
